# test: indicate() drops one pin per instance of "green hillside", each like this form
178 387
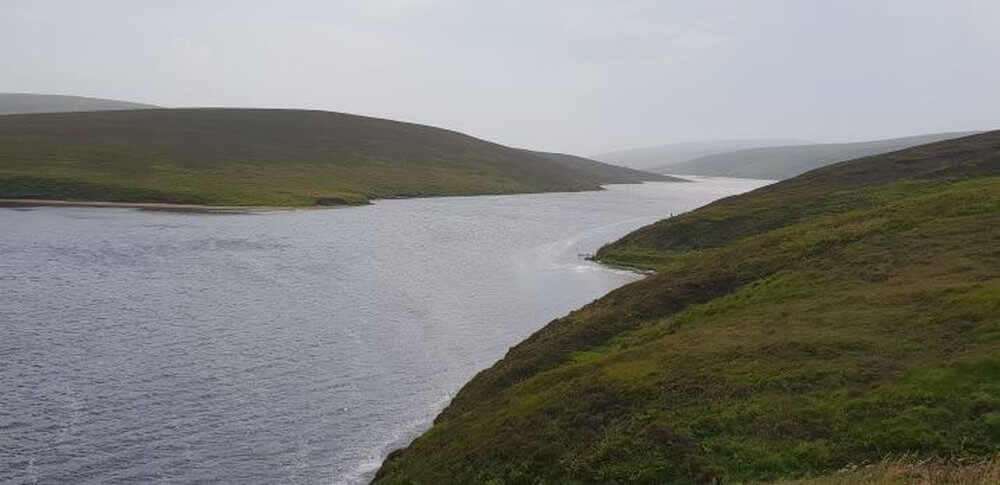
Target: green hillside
22 103
266 157
782 162
845 316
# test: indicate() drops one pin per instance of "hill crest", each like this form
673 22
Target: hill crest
223 156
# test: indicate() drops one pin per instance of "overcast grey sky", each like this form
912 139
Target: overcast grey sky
581 76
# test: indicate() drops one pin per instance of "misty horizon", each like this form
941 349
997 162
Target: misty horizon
582 77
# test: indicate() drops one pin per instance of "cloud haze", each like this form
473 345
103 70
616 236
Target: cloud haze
581 76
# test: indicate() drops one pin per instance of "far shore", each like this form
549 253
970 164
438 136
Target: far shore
327 203
157 206
333 203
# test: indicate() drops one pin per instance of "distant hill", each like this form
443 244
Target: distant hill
610 174
22 103
656 156
268 157
781 162
847 316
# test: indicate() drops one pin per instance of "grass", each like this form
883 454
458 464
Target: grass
908 471
268 157
840 317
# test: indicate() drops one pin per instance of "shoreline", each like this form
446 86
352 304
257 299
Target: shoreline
158 206
175 207
372 459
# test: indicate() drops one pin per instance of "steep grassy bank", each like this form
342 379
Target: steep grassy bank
840 317
267 157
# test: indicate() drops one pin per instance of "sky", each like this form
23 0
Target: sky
580 76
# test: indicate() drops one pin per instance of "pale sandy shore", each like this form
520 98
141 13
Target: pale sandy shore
157 206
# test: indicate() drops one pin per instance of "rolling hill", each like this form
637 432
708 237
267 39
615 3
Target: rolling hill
781 162
656 156
268 157
22 103
842 317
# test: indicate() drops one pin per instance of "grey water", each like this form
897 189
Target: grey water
283 346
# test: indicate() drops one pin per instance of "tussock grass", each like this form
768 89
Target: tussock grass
909 471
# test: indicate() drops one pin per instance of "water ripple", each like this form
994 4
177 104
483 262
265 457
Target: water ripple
287 347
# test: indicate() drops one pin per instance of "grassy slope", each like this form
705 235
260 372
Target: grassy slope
262 157
781 162
20 103
838 317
